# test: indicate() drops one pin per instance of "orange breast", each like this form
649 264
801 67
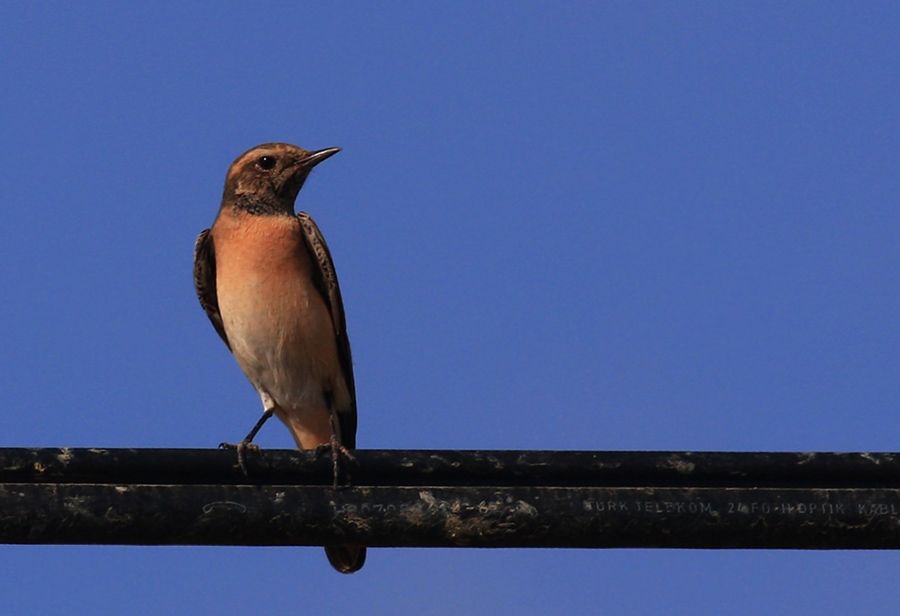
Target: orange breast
277 322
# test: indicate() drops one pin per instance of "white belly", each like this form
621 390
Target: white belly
282 337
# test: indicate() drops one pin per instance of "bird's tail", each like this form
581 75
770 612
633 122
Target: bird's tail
346 558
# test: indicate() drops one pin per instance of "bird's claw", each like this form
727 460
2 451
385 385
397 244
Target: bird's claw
242 448
337 451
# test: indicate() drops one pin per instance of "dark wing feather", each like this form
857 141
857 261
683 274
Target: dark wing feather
326 281
205 281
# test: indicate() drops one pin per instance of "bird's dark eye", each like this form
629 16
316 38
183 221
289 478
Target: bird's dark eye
266 162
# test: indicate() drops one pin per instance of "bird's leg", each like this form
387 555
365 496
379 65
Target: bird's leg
335 446
247 442
337 451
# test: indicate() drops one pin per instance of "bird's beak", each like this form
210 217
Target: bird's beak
318 156
294 175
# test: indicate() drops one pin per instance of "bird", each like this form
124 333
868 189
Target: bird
266 280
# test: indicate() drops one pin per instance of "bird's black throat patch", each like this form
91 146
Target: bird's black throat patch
257 205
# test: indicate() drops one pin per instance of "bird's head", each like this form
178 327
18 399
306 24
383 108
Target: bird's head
267 178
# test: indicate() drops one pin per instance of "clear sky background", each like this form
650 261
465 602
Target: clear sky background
630 226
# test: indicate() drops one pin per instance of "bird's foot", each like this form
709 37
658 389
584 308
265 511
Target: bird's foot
247 444
337 451
242 448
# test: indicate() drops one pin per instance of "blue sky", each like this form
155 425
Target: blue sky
642 225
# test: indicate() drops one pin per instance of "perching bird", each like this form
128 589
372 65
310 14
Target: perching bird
264 276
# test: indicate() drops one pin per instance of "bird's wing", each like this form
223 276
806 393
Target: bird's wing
326 282
205 281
